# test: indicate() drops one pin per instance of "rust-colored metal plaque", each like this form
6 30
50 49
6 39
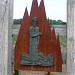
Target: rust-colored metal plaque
49 45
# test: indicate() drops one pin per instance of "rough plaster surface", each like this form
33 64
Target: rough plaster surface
32 73
70 37
5 36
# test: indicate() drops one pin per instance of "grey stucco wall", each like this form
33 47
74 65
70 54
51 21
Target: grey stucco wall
70 37
6 20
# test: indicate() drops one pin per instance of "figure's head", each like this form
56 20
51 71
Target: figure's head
34 21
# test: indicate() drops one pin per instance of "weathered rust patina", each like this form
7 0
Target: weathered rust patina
48 43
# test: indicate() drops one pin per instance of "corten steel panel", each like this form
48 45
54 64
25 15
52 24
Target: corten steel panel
48 42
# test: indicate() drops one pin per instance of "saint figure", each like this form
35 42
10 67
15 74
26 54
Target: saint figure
34 37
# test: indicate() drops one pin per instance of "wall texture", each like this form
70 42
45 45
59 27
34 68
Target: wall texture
70 37
6 21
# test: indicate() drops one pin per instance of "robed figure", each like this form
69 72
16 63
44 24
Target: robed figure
34 57
34 37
